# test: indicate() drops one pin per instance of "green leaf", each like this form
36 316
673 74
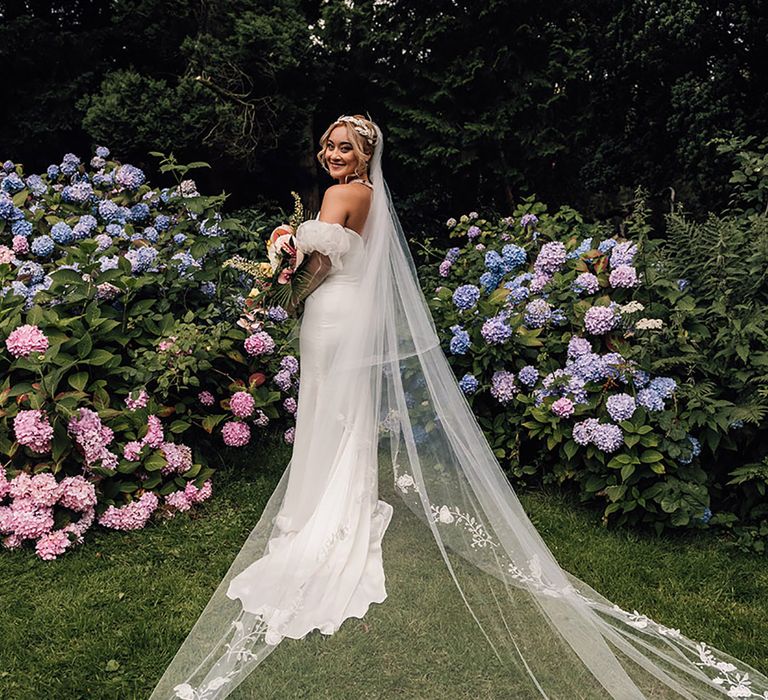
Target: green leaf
78 380
650 456
155 461
85 346
626 471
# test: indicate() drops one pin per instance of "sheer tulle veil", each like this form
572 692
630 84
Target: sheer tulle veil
553 635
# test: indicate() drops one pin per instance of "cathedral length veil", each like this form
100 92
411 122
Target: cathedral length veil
554 636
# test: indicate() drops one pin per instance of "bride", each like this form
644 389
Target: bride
373 376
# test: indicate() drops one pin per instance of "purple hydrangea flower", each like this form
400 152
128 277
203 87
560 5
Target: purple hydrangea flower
582 431
528 220
663 386
503 387
586 282
622 254
623 276
620 407
495 330
600 320
650 400
473 232
537 313
528 375
551 258
607 437
578 346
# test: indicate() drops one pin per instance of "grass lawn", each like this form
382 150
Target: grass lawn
105 619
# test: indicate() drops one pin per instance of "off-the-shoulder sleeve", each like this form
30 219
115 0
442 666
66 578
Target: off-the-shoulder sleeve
327 238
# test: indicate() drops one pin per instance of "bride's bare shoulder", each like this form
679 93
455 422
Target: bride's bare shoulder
348 192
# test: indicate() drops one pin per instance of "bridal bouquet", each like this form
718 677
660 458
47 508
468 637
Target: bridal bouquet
279 280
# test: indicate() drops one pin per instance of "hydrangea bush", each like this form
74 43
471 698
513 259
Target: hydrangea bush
120 335
546 334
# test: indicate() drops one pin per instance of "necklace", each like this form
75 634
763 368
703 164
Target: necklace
362 182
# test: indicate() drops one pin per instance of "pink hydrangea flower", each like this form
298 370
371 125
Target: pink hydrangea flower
236 434
6 254
206 398
132 450
20 245
262 419
623 276
44 490
140 401
33 430
259 343
93 437
445 268
289 435
49 546
563 407
178 500
289 404
242 404
178 456
198 495
132 516
164 345
77 493
26 339
154 436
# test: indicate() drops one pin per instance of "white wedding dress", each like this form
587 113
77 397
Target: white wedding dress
325 564
373 371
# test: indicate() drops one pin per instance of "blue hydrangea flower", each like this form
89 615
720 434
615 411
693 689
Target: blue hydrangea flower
606 245
13 183
79 193
620 407
558 317
528 375
22 227
208 288
61 232
513 256
738 423
517 294
682 284
663 386
8 210
494 262
582 431
640 378
141 259
52 172
42 246
36 185
469 384
584 247
69 164
537 313
185 261
650 400
108 210
589 366
179 238
102 151
460 342
466 296
32 269
489 281
162 222
706 516
139 212
695 451
104 180
150 233
9 166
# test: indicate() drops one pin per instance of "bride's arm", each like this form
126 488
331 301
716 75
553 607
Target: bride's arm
317 268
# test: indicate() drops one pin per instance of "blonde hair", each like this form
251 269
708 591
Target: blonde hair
362 149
